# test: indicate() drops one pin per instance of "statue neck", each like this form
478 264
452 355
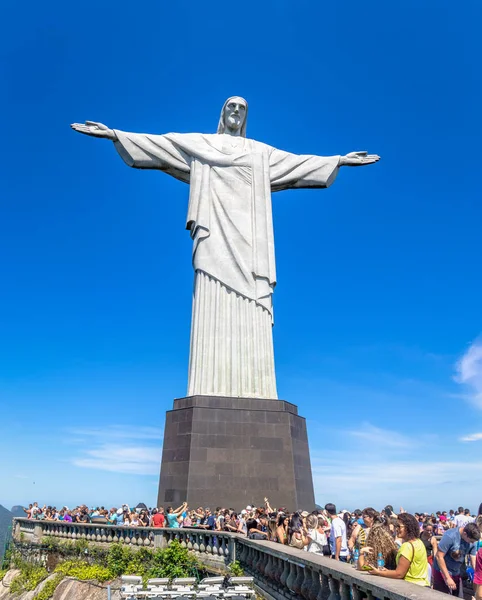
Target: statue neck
233 132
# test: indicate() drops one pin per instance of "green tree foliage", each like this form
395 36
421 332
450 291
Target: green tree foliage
88 562
28 579
173 561
84 571
49 588
118 558
235 569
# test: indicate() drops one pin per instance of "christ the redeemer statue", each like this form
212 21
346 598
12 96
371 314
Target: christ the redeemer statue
231 179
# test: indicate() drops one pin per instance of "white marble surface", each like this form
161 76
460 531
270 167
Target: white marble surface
229 217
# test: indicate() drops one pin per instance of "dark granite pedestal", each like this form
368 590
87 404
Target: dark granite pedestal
232 452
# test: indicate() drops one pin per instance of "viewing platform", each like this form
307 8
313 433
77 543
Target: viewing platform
280 572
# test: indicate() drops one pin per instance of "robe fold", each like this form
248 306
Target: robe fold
230 221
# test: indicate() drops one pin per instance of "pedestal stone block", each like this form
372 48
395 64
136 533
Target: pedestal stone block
232 452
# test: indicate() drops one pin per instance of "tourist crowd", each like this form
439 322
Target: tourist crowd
425 549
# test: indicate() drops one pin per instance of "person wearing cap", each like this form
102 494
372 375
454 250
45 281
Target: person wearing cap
338 541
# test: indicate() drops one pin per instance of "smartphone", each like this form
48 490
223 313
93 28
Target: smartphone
367 568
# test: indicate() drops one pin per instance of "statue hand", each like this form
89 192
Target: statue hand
94 129
358 159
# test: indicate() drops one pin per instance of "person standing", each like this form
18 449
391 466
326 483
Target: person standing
338 542
158 519
315 540
455 545
429 541
461 519
412 564
172 515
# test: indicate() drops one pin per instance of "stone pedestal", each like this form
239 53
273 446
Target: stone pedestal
232 452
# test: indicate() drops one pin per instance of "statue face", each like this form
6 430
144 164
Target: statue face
235 114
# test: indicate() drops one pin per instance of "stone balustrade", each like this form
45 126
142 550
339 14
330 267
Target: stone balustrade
280 572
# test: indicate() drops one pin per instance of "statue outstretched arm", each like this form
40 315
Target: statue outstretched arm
310 171
289 170
95 130
143 151
358 159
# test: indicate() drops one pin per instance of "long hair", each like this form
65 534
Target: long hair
380 540
296 522
222 124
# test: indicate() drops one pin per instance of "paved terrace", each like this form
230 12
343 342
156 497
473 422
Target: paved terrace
279 572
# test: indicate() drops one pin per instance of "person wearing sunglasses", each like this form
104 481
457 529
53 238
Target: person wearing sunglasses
411 560
452 550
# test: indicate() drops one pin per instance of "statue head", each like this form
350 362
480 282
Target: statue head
234 116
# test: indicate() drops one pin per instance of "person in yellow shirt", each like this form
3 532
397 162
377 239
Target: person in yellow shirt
412 563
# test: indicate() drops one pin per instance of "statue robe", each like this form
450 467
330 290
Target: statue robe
230 221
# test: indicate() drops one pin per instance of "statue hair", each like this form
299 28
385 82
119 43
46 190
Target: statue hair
222 125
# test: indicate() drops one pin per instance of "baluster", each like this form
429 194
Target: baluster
196 542
285 573
315 585
220 545
334 588
214 544
290 581
299 579
307 583
254 561
324 592
240 552
278 569
345 590
261 563
356 593
268 568
272 568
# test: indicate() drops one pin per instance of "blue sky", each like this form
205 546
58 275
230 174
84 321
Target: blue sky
381 350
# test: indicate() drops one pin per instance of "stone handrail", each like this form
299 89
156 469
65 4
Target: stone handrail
280 572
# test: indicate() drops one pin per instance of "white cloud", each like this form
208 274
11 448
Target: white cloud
118 448
122 432
382 437
469 372
138 460
414 484
473 437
